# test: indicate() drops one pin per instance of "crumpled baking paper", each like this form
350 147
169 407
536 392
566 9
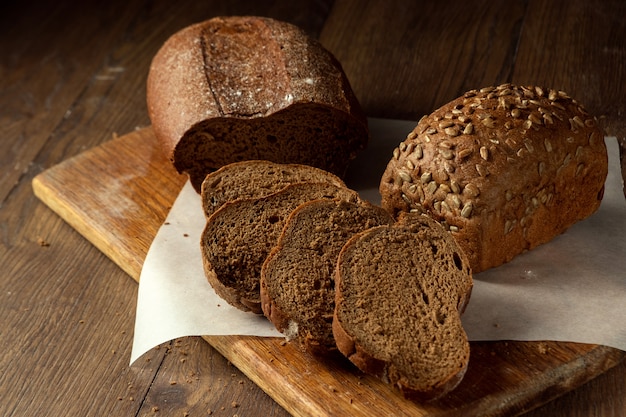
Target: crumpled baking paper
570 289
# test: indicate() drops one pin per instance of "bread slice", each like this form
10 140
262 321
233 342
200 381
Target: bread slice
256 178
400 291
244 87
297 283
238 237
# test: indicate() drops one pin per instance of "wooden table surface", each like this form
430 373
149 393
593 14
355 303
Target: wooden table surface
72 76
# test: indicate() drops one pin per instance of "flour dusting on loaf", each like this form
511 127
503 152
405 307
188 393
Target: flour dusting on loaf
504 168
243 87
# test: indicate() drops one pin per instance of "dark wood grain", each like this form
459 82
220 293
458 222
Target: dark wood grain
72 75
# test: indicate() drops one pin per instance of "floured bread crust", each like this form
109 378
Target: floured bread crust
244 87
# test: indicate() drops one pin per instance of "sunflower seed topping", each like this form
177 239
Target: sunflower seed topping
446 153
467 209
484 152
405 176
452 131
547 145
472 190
454 186
464 153
418 152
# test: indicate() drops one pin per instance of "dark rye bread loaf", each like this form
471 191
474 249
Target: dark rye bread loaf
256 178
243 87
297 282
238 237
504 168
400 291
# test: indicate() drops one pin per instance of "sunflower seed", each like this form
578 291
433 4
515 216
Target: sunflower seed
418 152
579 122
482 170
446 144
464 153
488 122
484 152
446 153
472 190
454 186
547 145
426 177
466 212
541 168
455 201
405 176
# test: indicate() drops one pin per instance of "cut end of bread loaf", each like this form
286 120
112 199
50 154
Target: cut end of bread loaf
242 87
400 291
305 133
297 282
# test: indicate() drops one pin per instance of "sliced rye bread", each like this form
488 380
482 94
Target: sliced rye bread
238 237
256 178
297 283
400 291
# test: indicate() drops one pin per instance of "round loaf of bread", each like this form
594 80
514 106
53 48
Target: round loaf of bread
504 168
235 88
400 291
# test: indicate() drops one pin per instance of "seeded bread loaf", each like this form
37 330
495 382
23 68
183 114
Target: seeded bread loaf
297 282
238 237
400 291
243 87
504 168
255 178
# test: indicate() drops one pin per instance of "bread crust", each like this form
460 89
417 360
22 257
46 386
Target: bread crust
504 168
216 82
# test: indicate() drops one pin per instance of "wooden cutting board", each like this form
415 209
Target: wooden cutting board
118 194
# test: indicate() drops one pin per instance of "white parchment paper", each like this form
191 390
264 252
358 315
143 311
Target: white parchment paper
571 289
